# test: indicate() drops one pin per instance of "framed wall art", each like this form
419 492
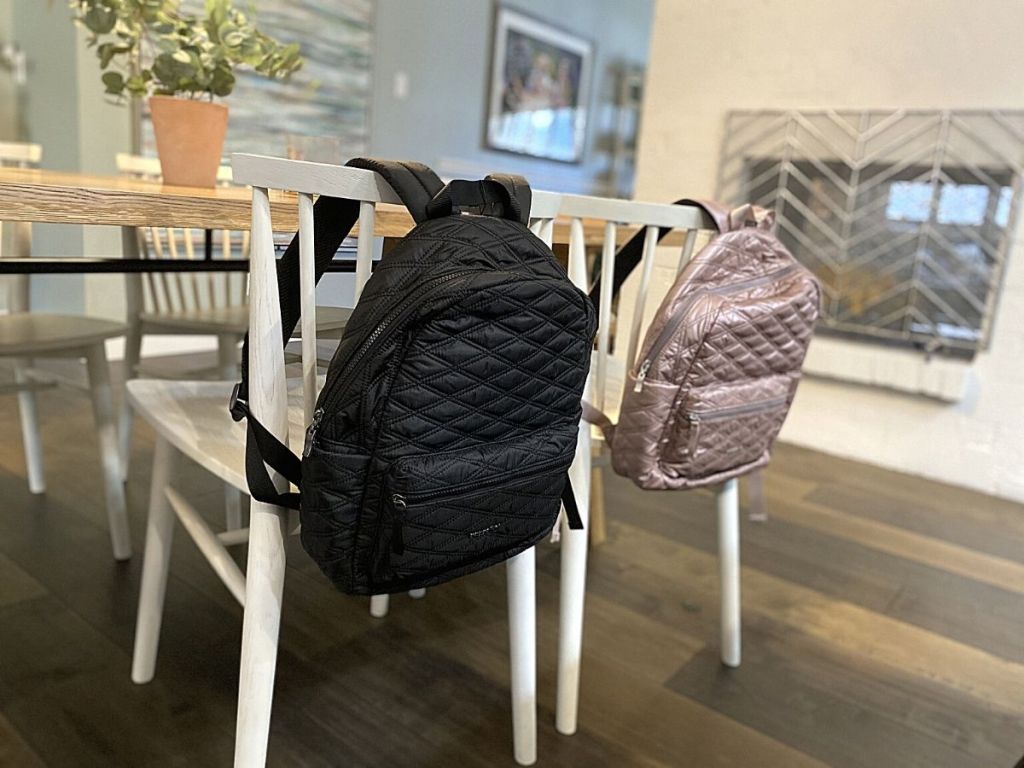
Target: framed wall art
540 78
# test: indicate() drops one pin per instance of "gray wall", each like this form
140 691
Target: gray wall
50 117
444 47
8 122
65 111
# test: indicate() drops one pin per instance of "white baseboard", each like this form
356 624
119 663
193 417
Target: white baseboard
902 370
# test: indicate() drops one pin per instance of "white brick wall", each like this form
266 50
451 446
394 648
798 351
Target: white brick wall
710 56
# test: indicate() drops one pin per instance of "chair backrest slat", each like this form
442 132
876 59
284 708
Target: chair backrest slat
609 247
687 250
543 212
616 215
646 269
243 279
190 288
228 283
161 294
266 367
164 293
578 254
267 384
364 245
307 303
174 280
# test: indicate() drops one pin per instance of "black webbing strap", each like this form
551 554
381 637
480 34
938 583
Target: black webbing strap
261 449
333 219
572 512
631 253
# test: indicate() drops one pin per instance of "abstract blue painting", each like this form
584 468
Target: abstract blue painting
322 112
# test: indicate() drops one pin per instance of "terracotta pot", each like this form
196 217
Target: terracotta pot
189 139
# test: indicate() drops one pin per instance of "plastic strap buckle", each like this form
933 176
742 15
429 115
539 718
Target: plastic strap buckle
238 407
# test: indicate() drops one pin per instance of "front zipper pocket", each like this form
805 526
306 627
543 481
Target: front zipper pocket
725 426
455 508
681 312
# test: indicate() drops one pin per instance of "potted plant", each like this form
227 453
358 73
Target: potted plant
181 62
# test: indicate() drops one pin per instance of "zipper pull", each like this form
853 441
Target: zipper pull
318 415
694 420
641 375
399 505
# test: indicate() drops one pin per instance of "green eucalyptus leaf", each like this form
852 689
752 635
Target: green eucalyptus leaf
171 70
114 81
190 54
100 19
136 85
223 82
107 52
217 10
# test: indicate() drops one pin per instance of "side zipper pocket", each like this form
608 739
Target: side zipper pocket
401 503
696 418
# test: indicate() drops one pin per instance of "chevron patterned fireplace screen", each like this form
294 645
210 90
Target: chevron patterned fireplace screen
904 215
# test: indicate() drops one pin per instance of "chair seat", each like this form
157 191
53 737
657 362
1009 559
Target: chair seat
193 416
28 333
230 320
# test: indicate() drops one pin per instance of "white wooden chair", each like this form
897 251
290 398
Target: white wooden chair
25 336
604 390
191 418
189 303
202 304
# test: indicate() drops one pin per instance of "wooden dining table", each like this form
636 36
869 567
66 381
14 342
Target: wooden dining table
62 197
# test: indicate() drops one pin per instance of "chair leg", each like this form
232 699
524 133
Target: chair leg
30 430
227 365
132 356
729 567
232 507
522 624
598 531
379 606
572 588
757 507
227 356
264 585
103 410
155 562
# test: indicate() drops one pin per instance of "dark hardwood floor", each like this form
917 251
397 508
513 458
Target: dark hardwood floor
883 626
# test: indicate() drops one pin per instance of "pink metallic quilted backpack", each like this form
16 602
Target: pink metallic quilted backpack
720 363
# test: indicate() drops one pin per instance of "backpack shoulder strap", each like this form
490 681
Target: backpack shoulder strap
519 195
333 219
415 183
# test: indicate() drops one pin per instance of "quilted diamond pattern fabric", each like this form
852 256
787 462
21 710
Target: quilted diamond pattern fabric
719 365
450 412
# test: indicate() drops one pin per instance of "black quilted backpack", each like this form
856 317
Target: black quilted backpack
442 437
